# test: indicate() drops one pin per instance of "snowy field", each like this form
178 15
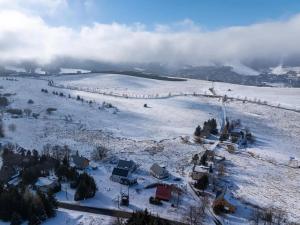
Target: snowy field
258 174
122 84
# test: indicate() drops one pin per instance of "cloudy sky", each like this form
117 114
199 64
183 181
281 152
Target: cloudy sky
169 31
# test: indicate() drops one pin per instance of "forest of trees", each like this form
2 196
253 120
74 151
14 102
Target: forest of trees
142 218
20 204
35 206
86 187
209 127
85 184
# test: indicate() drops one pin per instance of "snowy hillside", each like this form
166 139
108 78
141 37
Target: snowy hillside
279 70
129 114
132 86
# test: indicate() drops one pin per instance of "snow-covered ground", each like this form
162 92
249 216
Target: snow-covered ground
133 86
279 70
68 217
258 174
72 70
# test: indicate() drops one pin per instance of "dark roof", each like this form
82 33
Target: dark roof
207 152
120 172
79 161
155 168
235 133
163 192
124 164
6 173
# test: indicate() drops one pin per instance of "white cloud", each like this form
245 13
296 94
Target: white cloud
34 6
23 36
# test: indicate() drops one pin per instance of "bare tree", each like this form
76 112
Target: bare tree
205 203
118 221
279 217
273 215
67 152
195 215
221 170
99 153
270 216
57 152
256 216
1 129
47 149
27 112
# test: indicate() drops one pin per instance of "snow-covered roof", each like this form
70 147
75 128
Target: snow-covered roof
201 169
80 161
124 164
155 168
45 181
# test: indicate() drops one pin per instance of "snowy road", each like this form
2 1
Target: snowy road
106 212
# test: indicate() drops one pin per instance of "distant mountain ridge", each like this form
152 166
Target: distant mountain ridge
236 73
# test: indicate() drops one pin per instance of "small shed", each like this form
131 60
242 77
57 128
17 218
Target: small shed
163 192
158 171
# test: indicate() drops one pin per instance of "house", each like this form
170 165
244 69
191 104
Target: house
80 162
122 176
158 171
7 173
127 165
46 184
205 156
163 192
209 155
236 136
199 172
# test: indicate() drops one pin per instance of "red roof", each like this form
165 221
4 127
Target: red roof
163 192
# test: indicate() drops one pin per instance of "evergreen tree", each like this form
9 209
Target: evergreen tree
66 161
145 218
202 183
86 187
16 219
195 158
49 202
17 204
1 129
203 159
197 132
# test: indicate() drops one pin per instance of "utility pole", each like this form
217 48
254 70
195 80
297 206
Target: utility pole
67 193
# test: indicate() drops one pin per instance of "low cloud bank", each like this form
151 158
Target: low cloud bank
27 37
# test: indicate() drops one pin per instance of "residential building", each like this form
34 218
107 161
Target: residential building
122 176
46 184
163 192
80 162
127 165
158 171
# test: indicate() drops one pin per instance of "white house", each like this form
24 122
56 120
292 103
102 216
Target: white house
122 176
46 184
158 171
